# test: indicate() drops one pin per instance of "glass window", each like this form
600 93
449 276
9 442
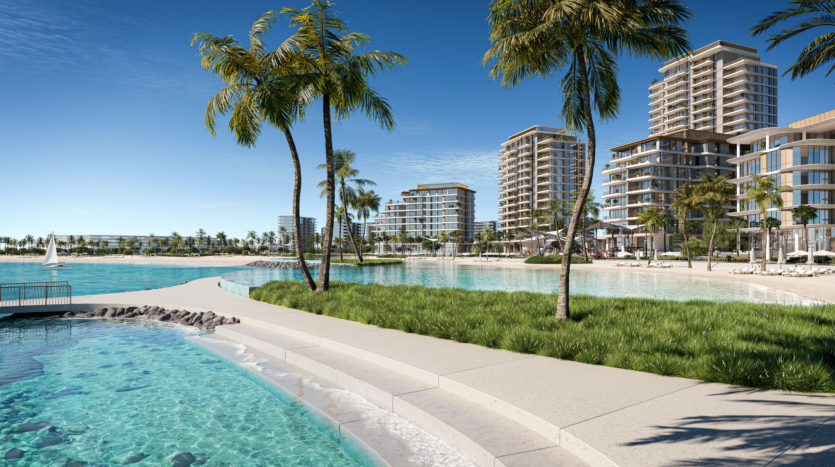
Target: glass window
773 161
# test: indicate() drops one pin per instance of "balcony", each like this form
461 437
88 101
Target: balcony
671 96
682 98
704 116
657 103
702 71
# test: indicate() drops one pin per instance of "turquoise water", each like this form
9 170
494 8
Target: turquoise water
103 391
103 278
478 277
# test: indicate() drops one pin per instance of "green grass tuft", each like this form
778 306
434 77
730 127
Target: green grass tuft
554 259
790 348
366 262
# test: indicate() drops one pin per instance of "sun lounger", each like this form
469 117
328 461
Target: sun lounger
635 265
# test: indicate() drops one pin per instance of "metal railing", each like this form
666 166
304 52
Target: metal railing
36 293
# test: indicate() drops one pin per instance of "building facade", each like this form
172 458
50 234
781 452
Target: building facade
428 210
801 157
721 88
481 226
307 227
646 173
536 166
341 231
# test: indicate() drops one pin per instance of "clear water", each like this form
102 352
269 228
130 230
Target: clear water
110 389
478 277
103 278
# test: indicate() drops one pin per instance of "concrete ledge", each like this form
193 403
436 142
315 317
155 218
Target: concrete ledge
237 289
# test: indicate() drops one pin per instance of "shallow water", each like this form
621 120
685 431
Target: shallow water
478 277
104 390
103 278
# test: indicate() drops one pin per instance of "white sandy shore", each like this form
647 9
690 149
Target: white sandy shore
811 288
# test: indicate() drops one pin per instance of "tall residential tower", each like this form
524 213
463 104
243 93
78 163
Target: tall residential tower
721 88
537 165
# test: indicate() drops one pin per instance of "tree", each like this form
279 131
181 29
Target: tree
262 87
346 175
251 237
736 225
765 194
341 216
685 201
456 237
366 203
201 234
541 37
71 240
330 68
403 235
556 208
771 223
650 219
804 214
666 221
820 51
590 209
714 193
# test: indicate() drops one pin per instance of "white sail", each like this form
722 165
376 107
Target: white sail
51 252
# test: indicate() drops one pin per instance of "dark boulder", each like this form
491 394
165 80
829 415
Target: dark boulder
165 317
179 459
31 426
13 453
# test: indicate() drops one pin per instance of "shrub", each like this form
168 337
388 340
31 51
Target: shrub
127 252
366 262
554 259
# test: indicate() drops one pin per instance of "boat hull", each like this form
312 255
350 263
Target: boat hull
56 267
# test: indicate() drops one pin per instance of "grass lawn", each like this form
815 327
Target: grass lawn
757 345
366 262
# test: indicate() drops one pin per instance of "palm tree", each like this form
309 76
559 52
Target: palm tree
282 231
541 37
804 214
152 240
442 239
736 225
649 219
820 51
331 69
201 234
557 210
456 237
71 240
261 87
765 194
772 223
714 193
403 235
343 160
590 209
684 202
366 203
342 217
666 221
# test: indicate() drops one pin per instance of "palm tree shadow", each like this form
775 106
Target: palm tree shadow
773 440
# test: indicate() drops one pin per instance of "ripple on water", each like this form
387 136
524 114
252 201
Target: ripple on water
90 406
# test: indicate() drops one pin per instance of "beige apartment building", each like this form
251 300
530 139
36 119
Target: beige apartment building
800 156
428 210
721 88
536 166
646 173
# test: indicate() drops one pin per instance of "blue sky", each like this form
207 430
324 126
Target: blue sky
102 105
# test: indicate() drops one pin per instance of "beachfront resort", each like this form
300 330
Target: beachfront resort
338 298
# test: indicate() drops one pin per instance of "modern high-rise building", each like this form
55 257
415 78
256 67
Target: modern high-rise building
800 156
481 226
307 227
430 209
341 230
536 166
645 173
721 88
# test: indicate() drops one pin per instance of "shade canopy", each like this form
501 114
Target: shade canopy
606 225
797 253
671 253
624 254
824 253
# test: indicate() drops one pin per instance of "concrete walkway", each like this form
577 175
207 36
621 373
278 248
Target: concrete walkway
602 415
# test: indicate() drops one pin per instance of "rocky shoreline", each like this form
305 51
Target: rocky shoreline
207 320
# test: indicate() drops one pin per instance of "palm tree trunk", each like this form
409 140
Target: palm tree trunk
686 243
297 188
324 268
563 311
651 244
765 239
350 233
710 245
585 245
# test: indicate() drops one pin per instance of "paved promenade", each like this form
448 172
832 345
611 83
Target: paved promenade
605 416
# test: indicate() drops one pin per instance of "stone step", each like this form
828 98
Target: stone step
483 436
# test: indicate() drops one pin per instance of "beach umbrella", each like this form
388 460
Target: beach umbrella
797 253
824 253
624 254
811 259
671 253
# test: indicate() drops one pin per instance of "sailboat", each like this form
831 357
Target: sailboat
50 262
